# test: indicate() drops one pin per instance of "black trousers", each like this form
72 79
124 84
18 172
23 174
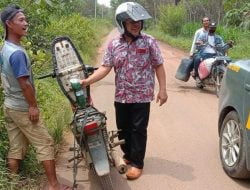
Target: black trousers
132 119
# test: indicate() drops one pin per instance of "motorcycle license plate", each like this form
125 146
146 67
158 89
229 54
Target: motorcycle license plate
94 141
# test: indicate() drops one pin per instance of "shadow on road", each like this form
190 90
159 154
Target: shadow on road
243 182
159 166
188 87
206 90
119 182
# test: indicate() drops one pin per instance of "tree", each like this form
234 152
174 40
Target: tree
233 4
176 2
239 17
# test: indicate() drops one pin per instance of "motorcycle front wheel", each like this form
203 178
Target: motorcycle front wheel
218 80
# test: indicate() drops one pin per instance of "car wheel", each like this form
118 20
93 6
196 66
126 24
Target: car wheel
233 147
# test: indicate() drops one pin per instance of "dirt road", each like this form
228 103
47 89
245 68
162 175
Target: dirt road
182 151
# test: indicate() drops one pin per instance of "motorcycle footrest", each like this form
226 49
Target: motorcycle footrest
73 149
114 144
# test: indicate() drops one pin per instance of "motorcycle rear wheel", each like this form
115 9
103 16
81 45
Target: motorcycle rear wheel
105 180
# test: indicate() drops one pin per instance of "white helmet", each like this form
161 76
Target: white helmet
130 10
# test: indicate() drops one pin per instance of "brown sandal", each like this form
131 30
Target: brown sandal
133 173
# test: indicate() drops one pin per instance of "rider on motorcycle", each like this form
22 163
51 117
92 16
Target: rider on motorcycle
209 45
204 29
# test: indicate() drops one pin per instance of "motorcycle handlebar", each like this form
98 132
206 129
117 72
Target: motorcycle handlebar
53 75
90 69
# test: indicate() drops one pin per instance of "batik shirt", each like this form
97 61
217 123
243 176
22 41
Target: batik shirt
134 66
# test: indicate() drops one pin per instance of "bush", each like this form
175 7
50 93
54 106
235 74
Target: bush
241 50
229 33
172 18
79 29
188 29
101 27
55 107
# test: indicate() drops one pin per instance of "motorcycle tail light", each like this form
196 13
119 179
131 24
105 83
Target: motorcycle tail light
90 128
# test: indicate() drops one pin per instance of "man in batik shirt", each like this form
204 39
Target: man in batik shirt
136 58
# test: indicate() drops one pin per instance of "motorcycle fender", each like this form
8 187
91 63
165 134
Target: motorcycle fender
98 154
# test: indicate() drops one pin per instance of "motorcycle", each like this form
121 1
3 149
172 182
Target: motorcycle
211 70
92 141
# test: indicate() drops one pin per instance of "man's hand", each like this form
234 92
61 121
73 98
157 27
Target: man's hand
73 107
199 42
84 82
230 43
34 114
162 96
30 97
100 73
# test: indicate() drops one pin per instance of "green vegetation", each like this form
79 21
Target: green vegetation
48 20
176 41
239 17
55 108
65 26
235 28
172 19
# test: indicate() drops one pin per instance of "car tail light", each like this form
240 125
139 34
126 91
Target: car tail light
90 128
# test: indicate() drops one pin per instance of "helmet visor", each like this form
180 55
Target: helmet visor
137 12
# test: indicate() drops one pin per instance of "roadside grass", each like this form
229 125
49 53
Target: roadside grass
241 49
180 42
55 108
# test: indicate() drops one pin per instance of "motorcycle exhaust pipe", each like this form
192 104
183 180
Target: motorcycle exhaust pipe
119 162
117 143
